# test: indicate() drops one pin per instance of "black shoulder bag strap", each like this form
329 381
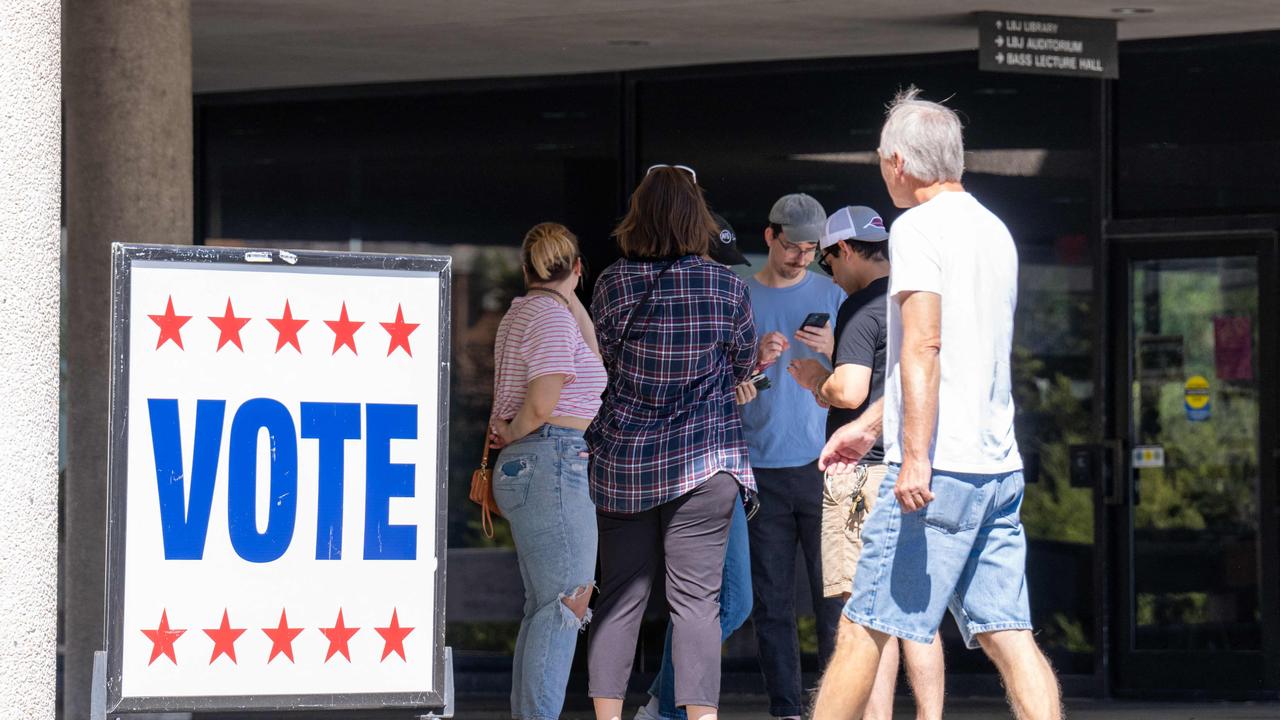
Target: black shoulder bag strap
626 330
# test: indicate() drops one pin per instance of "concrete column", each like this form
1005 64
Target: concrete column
30 232
127 92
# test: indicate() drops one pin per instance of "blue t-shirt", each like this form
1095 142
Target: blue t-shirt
783 425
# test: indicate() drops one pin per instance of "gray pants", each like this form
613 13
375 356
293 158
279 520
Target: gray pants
690 533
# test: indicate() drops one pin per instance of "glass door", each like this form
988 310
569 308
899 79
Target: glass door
1196 569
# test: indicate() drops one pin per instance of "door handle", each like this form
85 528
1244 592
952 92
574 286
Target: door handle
1100 465
1115 470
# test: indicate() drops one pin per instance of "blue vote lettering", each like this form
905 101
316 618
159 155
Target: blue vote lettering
332 424
385 480
242 480
184 513
183 525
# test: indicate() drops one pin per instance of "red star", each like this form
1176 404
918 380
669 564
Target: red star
338 636
229 327
344 331
224 639
393 637
287 328
282 638
170 325
162 639
399 332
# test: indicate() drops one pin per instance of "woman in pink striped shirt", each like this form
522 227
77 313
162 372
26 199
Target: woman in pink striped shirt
548 379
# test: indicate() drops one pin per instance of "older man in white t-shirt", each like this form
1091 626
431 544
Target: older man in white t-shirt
946 532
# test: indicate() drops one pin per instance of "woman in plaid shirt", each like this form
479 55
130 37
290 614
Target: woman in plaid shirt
667 454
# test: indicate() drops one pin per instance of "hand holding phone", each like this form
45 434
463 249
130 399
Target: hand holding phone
816 334
815 319
748 389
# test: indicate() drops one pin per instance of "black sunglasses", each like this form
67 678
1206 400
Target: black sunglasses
823 262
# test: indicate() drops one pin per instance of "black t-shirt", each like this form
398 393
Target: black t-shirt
860 340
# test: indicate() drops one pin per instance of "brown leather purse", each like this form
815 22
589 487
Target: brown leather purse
482 491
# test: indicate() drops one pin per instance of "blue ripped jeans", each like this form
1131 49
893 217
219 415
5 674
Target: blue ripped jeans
540 484
735 608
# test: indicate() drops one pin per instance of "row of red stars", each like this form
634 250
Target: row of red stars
224 638
287 327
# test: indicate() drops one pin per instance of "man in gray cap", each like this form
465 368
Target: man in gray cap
854 250
785 431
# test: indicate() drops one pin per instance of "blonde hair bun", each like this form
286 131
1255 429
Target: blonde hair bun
548 252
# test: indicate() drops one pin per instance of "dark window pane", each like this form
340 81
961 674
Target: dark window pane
461 169
1196 129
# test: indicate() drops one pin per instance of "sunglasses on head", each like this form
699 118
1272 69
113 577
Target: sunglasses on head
692 174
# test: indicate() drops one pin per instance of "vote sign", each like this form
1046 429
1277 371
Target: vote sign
277 479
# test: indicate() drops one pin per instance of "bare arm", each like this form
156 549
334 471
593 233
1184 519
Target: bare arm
850 443
921 374
583 318
539 402
847 387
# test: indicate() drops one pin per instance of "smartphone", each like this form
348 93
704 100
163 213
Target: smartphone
760 380
815 320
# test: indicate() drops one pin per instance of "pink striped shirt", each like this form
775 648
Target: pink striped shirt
539 336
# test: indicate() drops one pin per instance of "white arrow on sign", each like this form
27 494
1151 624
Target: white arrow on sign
999 41
999 24
1000 58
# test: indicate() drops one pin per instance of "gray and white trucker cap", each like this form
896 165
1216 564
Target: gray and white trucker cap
853 222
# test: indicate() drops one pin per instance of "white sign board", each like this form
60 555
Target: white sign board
278 449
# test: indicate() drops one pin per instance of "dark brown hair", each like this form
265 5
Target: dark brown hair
869 250
668 218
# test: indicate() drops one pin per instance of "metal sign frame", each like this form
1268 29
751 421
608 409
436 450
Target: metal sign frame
123 258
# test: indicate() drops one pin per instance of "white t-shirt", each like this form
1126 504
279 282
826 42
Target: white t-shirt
956 248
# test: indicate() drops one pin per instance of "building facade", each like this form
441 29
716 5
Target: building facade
1146 212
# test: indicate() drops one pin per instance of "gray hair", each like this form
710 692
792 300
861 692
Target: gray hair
926 135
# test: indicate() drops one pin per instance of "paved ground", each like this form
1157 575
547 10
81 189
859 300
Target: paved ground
752 708
749 708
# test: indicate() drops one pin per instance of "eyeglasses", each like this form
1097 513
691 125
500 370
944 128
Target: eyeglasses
823 262
791 248
685 168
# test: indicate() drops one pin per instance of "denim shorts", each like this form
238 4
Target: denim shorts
965 551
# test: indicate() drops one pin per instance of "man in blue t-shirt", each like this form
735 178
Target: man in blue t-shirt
785 431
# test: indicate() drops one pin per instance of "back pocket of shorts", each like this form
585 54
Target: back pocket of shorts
511 479
956 505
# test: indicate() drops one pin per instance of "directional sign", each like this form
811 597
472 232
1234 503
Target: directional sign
1047 45
277 475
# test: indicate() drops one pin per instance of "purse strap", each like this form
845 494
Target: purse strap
484 459
486 514
626 329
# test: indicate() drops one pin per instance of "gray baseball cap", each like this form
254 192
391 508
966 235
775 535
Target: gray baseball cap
853 222
801 217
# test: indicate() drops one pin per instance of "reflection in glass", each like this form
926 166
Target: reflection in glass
1195 520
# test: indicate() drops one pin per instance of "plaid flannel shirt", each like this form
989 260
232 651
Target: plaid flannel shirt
669 421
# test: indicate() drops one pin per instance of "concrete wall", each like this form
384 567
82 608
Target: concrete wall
30 228
127 90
